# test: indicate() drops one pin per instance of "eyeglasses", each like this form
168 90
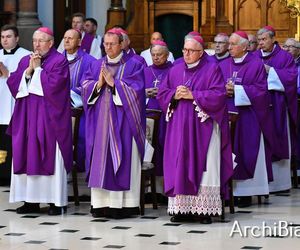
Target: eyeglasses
290 46
110 44
252 42
190 51
40 41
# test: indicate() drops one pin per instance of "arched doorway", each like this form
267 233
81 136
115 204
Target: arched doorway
174 36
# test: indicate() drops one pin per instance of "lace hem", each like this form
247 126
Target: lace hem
169 113
208 201
201 114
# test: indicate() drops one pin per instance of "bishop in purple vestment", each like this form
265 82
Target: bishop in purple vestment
282 85
246 85
114 102
79 62
41 127
154 74
197 155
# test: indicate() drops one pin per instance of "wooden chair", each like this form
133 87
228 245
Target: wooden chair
76 115
148 175
232 119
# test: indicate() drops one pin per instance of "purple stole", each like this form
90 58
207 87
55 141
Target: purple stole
111 128
86 42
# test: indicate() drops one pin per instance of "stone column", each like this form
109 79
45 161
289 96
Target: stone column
27 22
10 7
116 14
222 21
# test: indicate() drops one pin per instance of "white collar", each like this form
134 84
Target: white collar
116 59
222 57
240 59
71 57
192 65
264 54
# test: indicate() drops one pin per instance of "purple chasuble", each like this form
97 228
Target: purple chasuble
253 119
77 67
153 77
187 138
86 42
131 53
110 128
285 67
39 122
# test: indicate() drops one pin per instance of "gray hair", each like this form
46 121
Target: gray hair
296 43
263 30
225 36
165 48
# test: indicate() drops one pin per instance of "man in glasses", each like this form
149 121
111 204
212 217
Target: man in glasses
197 145
282 85
41 128
293 47
114 103
253 45
221 47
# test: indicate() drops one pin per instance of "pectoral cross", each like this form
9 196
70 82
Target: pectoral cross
156 81
234 77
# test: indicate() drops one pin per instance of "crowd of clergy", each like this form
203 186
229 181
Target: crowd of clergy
227 118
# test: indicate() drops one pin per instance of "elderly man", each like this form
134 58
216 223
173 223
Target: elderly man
114 102
89 43
221 47
154 75
282 85
293 47
10 57
41 127
253 45
79 62
197 155
246 87
146 53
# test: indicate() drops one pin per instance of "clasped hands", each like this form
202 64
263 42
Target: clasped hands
229 88
3 70
35 61
183 92
105 77
151 92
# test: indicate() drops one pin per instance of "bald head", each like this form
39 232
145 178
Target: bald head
156 36
72 39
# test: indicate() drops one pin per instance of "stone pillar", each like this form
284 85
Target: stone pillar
116 14
27 22
10 7
222 21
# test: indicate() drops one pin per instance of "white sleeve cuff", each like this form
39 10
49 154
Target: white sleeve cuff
274 82
240 96
35 85
23 89
91 99
116 98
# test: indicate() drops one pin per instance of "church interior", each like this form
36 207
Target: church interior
77 229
